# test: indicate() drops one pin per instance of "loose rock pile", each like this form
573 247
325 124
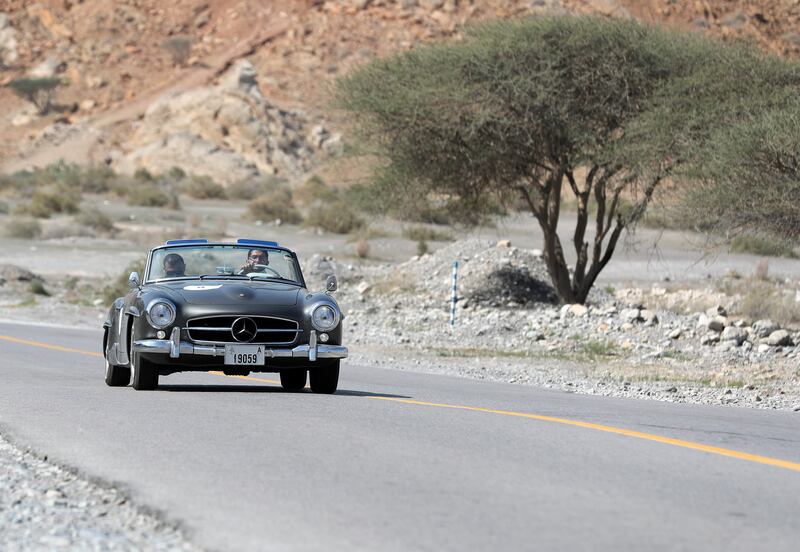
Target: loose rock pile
46 507
409 305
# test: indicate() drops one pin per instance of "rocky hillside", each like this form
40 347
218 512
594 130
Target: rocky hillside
131 65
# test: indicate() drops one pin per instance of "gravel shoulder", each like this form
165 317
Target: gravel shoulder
45 506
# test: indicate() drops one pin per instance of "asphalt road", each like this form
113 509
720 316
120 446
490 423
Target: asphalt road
404 461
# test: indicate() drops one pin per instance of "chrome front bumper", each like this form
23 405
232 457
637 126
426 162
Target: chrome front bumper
176 348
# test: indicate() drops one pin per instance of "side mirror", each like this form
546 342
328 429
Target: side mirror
331 284
133 280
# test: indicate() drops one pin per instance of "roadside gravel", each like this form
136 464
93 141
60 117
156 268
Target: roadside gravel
44 506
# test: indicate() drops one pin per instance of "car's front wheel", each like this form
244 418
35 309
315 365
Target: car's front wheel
293 380
117 376
145 372
324 379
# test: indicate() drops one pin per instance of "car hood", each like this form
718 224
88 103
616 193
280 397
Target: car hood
216 292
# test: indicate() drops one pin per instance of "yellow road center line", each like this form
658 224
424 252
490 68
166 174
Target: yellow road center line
617 430
794 466
49 346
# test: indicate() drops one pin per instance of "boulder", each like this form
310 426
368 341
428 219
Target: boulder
8 42
631 315
718 310
714 323
10 272
763 328
733 334
575 311
650 318
710 338
779 338
50 67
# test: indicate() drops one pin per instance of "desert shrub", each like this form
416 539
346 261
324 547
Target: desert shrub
315 189
423 233
37 288
65 229
119 287
92 179
25 229
48 202
96 180
179 48
362 249
762 245
336 217
97 221
274 205
148 195
144 175
422 248
38 91
763 300
202 187
176 174
3 208
250 188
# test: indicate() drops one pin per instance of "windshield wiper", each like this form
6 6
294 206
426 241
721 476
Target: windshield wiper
280 278
222 276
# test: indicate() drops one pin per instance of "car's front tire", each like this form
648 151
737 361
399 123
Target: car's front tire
324 379
117 376
145 372
293 380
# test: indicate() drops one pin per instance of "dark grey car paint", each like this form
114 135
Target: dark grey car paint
234 297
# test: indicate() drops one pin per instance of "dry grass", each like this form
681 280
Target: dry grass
202 187
97 221
767 300
337 218
760 245
24 229
274 205
426 234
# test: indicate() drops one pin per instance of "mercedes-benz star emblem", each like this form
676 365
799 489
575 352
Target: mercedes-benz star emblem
244 329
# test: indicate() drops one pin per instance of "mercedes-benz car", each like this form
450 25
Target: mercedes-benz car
230 307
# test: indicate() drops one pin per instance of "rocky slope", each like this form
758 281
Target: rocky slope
120 57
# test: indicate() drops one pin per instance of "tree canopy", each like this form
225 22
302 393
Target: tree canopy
38 91
531 109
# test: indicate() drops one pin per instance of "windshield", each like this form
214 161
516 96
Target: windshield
223 261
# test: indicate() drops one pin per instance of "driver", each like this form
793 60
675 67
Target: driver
174 266
257 259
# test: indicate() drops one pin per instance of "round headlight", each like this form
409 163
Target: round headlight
160 313
324 318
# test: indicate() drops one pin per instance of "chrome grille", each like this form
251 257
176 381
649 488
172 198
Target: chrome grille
217 329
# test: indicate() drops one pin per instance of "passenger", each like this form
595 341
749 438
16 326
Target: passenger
174 266
257 260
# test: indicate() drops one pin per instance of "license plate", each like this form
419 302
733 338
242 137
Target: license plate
244 355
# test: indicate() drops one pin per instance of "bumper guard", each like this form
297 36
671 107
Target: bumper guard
177 348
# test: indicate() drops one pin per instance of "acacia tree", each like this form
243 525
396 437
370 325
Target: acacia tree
751 180
38 91
529 110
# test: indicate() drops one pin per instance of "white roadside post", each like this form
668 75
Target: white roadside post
454 294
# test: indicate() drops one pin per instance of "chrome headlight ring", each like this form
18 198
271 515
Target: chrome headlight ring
325 317
160 313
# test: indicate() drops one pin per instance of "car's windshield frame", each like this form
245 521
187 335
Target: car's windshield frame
238 277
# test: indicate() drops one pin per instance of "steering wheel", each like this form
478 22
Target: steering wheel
265 268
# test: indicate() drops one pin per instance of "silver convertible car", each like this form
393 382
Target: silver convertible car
231 307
